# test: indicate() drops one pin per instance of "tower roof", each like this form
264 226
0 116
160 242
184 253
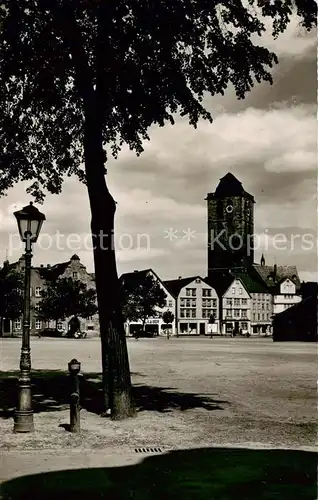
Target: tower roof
229 185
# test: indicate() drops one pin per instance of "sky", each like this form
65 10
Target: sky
268 141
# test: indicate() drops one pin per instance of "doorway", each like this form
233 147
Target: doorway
202 328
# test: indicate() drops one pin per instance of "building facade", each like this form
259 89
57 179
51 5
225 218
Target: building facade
261 304
285 296
197 306
236 308
40 276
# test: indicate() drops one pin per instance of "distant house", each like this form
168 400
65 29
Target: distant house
270 276
297 323
197 306
154 325
40 276
261 304
284 295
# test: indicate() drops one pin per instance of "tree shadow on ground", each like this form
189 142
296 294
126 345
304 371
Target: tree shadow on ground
51 392
201 474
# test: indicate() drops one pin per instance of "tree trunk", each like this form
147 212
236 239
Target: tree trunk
115 363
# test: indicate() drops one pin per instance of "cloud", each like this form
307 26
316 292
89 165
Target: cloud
137 254
295 41
267 140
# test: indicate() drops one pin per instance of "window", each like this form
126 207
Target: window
17 324
194 313
38 324
38 291
188 292
188 303
228 313
236 302
236 313
233 290
37 307
254 317
169 303
187 311
60 326
182 302
240 291
75 275
228 302
206 292
244 313
214 303
182 313
244 326
193 302
244 302
194 292
258 316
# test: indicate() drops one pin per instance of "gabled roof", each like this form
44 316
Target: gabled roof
229 185
251 285
134 274
282 272
175 286
53 272
130 277
220 282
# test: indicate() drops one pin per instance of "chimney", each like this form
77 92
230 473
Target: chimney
48 265
180 278
275 272
41 265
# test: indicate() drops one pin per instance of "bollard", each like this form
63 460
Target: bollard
74 368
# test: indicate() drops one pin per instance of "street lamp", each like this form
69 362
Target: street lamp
30 221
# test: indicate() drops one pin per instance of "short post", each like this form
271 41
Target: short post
74 368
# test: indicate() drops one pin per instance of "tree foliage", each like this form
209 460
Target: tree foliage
141 296
140 62
11 294
168 317
64 298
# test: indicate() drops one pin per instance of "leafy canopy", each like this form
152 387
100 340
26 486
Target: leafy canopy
128 64
64 297
11 293
168 317
141 296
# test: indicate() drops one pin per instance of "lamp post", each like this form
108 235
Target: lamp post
30 221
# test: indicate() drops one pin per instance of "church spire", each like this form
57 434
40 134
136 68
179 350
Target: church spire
262 260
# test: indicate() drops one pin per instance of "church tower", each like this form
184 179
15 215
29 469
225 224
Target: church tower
230 227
